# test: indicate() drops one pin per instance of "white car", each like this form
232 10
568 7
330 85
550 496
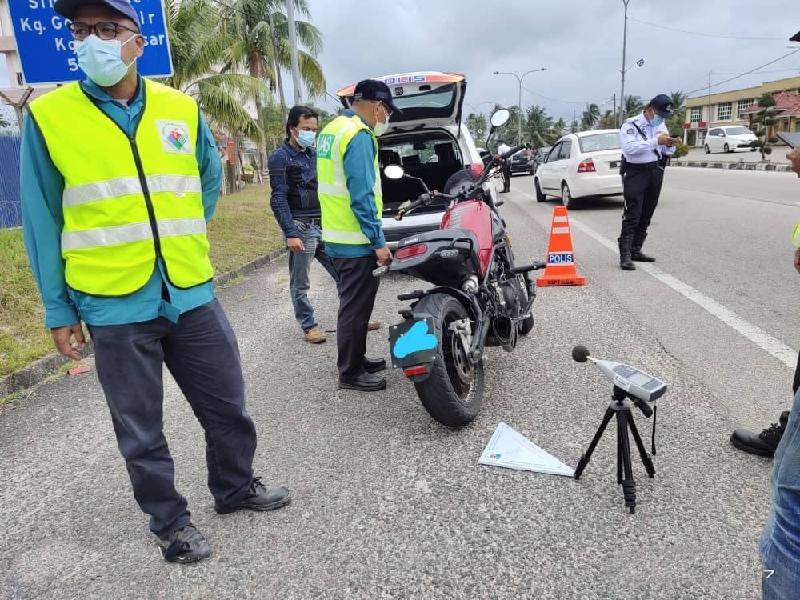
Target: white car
729 139
579 165
428 140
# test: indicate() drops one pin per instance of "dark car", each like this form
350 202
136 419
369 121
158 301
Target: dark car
521 162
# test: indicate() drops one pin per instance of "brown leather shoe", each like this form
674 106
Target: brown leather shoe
374 325
315 335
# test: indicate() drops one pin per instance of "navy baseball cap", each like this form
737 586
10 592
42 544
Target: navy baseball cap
377 91
662 104
67 8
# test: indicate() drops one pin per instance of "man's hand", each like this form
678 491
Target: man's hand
384 256
295 245
797 260
63 340
664 139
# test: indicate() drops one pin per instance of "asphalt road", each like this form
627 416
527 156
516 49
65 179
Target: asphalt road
389 504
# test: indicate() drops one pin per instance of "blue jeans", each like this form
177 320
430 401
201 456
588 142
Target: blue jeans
780 542
300 270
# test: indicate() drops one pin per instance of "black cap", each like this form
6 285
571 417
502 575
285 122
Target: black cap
67 8
662 104
370 89
795 37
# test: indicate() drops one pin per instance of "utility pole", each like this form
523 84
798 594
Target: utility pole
520 79
624 58
614 101
298 92
708 122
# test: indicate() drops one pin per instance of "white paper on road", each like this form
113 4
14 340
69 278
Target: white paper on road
510 449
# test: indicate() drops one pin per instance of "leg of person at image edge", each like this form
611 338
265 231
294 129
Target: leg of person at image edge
129 361
765 443
642 188
357 292
780 541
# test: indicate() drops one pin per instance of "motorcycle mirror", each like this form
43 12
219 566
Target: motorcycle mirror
394 172
500 118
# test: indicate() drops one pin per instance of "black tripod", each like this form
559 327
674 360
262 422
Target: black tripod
621 406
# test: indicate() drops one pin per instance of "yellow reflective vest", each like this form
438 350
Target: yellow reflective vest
796 236
339 223
127 201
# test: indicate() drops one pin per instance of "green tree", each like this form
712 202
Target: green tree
763 121
259 44
632 106
590 116
559 128
574 127
477 125
198 44
608 120
538 127
675 123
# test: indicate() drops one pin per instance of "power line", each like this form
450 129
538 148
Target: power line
740 75
703 34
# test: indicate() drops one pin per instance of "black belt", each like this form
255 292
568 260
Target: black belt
641 166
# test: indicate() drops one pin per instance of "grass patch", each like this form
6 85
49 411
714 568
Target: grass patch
242 230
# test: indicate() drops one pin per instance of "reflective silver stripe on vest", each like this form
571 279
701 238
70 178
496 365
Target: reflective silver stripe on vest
332 189
344 237
123 186
125 234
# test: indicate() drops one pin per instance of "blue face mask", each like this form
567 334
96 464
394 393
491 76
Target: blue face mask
101 60
306 139
657 121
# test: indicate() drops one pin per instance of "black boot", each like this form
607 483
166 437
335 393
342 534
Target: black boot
636 249
625 259
764 443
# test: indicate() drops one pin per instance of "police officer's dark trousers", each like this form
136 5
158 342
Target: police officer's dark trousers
357 292
201 353
641 187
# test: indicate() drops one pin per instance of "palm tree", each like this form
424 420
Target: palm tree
259 34
675 124
539 126
632 106
590 116
608 120
198 46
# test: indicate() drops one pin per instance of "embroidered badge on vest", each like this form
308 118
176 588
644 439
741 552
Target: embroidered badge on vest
175 136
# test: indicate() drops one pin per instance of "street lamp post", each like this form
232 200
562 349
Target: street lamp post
520 79
624 51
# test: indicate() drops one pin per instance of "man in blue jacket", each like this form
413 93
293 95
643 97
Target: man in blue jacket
125 251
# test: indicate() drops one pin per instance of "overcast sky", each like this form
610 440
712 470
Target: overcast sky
579 41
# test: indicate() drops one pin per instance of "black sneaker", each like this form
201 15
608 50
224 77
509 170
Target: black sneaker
184 546
764 443
260 498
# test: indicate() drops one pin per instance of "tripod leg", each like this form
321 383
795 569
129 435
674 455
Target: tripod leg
585 458
646 460
628 484
619 454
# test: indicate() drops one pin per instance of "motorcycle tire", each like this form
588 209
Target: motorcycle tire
449 395
527 325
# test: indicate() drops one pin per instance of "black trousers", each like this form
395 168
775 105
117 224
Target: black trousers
357 292
506 175
641 188
201 353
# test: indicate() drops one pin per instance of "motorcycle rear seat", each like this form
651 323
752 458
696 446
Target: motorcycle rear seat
443 235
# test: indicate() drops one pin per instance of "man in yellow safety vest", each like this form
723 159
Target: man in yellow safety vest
349 188
119 176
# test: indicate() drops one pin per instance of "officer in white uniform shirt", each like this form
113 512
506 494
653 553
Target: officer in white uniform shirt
645 144
502 148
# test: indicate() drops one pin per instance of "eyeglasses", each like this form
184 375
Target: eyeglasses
105 30
389 111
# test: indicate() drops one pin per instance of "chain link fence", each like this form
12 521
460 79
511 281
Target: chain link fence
10 210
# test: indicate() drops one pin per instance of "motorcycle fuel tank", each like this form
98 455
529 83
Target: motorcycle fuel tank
477 217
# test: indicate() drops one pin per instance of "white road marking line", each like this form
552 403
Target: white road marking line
755 334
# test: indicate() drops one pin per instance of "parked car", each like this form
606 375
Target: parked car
428 140
522 162
580 165
729 139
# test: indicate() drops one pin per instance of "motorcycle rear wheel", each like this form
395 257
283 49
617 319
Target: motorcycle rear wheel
453 393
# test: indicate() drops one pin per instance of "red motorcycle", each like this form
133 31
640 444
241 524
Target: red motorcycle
479 298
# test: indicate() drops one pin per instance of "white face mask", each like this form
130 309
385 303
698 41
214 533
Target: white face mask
381 127
101 60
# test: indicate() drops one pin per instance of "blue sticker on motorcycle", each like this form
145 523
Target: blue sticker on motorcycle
416 339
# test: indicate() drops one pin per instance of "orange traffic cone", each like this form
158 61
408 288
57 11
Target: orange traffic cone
560 268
